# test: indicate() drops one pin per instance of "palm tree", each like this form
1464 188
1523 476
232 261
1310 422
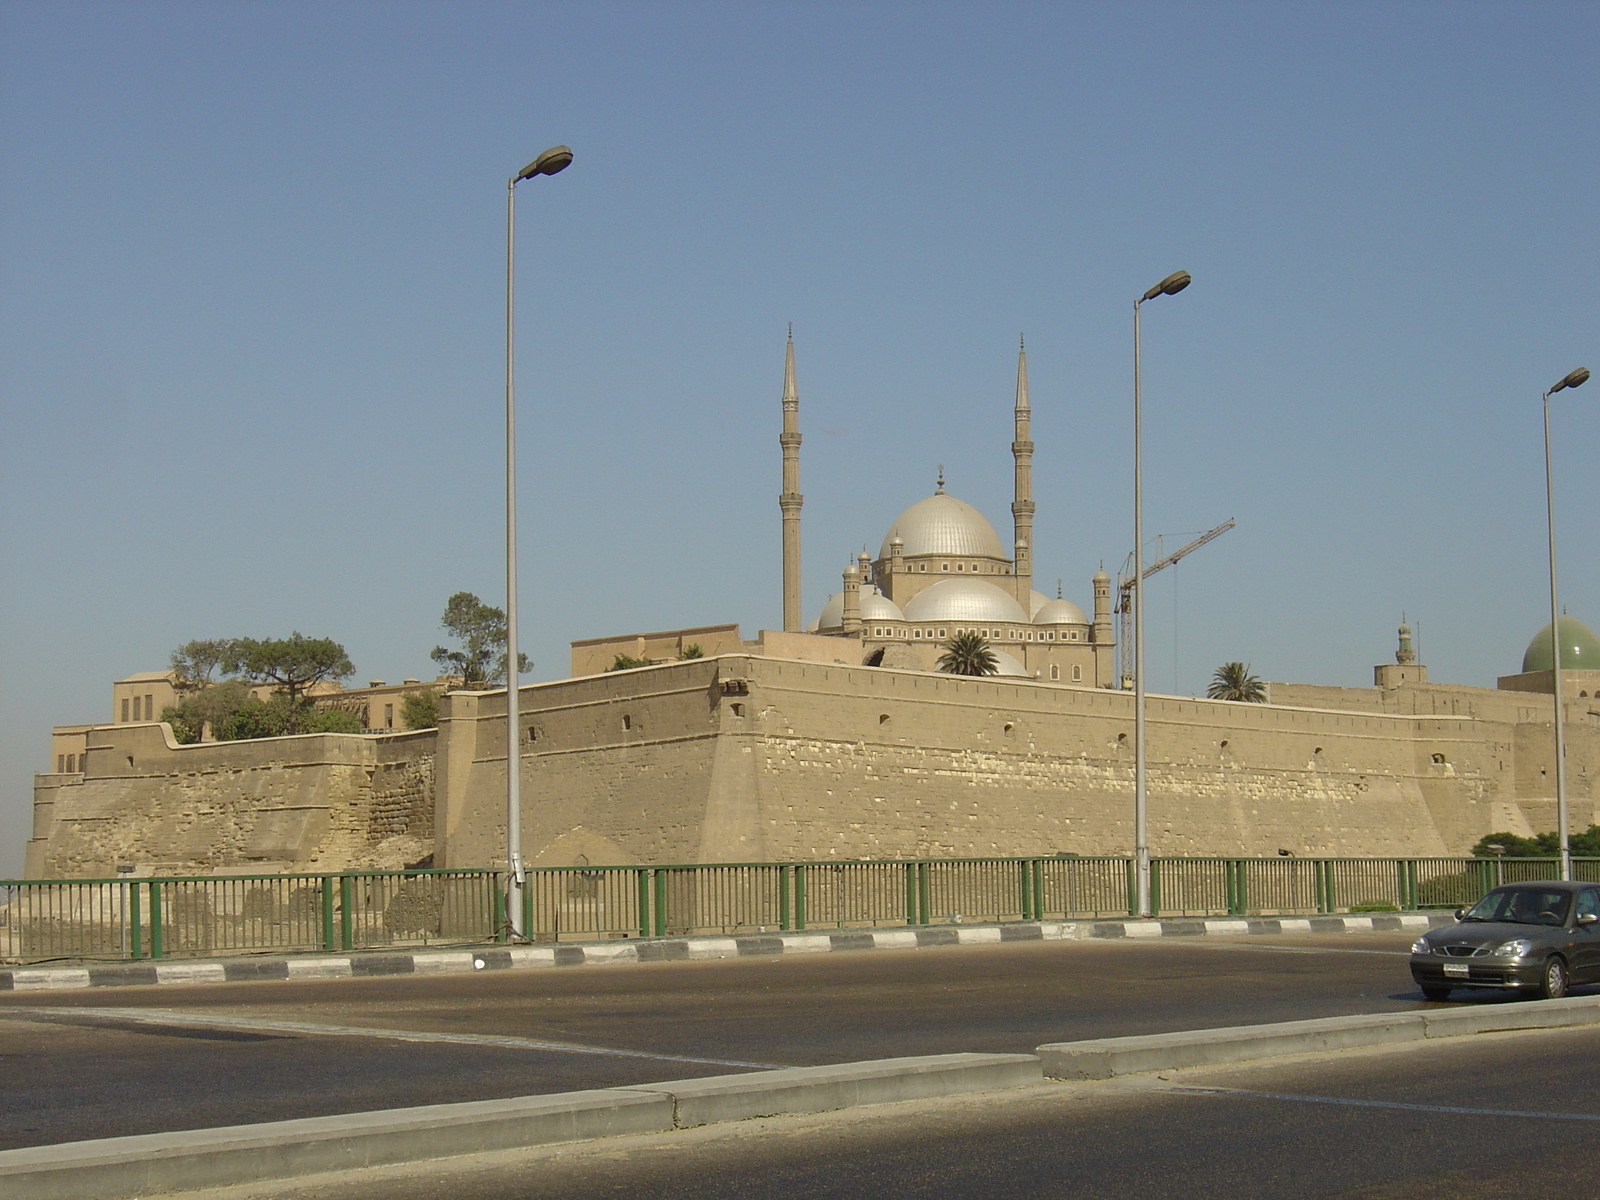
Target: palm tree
968 654
1233 681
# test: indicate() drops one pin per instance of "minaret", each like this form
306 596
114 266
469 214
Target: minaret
790 499
1022 506
850 618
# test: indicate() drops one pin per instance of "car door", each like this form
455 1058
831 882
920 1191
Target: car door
1586 937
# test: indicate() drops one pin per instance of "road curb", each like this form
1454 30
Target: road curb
369 964
114 1168
1105 1058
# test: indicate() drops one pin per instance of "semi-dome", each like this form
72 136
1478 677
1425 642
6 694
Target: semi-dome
1005 664
875 606
964 600
1060 612
941 524
1580 648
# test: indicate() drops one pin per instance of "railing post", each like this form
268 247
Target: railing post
326 898
641 879
1230 886
346 916
157 948
1155 887
1025 886
1322 886
785 881
527 904
924 894
1038 889
911 893
1413 891
499 912
135 930
660 897
1133 889
800 896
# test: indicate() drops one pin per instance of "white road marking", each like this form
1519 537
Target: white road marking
142 1016
1388 1104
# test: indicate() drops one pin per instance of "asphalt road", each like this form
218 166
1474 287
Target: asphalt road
107 1062
1500 1116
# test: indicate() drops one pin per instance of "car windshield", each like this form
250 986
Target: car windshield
1522 906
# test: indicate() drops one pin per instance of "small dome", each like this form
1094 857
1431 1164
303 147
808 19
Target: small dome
1008 665
1580 649
1060 612
875 606
964 600
1036 601
942 524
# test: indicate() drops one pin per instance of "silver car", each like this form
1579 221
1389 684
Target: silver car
1537 938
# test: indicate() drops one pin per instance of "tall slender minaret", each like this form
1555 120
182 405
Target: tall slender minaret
1022 506
790 499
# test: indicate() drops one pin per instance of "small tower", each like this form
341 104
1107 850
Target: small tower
1022 505
1405 669
851 619
790 499
1100 634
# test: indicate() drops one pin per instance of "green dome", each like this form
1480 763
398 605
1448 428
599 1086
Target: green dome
1580 649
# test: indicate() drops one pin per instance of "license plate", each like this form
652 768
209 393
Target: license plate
1455 970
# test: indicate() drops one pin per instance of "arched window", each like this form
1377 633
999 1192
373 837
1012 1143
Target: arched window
1055 673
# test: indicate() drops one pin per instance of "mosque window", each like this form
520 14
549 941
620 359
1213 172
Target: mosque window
922 566
149 708
1077 674
627 721
944 566
61 764
961 566
974 566
1055 673
1074 635
124 708
941 633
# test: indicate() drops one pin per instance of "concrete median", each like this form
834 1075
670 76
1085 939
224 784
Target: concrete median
1104 1058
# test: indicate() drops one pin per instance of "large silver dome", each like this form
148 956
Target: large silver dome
942 524
964 600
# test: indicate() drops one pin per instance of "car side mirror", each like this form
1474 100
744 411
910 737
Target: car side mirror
1460 912
1587 918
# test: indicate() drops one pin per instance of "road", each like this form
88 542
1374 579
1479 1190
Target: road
91 1064
1498 1117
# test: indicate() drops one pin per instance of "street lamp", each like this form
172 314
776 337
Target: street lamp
552 161
1571 380
1170 286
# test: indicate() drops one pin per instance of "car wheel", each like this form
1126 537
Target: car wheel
1434 992
1553 979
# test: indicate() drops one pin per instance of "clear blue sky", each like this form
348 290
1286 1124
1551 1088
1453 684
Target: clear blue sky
250 336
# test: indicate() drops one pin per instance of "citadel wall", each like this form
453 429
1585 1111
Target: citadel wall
752 758
143 804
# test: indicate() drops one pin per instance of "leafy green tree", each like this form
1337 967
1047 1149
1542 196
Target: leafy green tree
1544 845
194 663
968 654
1233 681
293 663
420 710
625 662
693 650
481 630
204 709
329 720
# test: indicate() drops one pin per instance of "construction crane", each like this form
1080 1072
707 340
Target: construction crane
1125 597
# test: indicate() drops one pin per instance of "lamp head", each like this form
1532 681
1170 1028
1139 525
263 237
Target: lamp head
1170 286
551 162
1573 379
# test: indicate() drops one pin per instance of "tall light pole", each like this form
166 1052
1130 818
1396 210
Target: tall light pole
1170 286
553 160
1572 380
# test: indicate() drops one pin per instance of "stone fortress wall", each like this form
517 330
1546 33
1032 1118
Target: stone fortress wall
743 758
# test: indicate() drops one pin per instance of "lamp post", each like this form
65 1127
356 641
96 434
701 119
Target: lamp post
1571 380
1170 286
553 160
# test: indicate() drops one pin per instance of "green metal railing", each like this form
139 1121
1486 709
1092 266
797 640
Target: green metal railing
168 917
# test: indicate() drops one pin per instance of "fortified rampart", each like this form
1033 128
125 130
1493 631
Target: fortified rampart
751 758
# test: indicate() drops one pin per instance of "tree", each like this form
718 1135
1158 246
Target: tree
968 654
481 630
193 663
205 710
420 710
293 663
693 650
1544 845
1233 681
624 662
